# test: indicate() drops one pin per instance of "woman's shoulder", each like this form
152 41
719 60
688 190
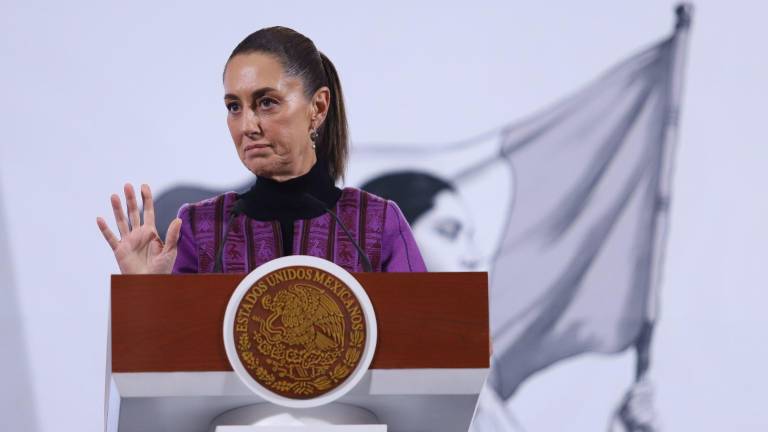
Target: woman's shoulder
382 217
376 208
356 194
209 205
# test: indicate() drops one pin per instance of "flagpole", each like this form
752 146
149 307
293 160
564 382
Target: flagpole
684 14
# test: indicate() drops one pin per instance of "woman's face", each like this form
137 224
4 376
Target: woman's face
269 116
445 236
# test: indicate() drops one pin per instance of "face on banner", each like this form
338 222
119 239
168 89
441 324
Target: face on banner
445 235
440 219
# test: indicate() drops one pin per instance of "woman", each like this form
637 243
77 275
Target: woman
441 223
286 116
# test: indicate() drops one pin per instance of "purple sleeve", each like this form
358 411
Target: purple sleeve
399 252
186 257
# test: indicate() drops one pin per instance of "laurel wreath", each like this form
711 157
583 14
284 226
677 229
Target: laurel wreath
277 351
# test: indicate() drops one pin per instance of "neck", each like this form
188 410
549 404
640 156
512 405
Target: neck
284 199
306 166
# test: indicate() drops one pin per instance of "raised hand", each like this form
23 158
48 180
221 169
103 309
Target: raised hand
139 249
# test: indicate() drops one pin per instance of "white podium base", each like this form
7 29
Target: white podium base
424 400
344 428
334 417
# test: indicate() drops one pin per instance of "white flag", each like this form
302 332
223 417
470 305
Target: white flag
576 266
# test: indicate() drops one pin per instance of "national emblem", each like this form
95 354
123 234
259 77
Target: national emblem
299 331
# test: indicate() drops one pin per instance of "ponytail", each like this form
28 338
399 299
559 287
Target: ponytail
335 130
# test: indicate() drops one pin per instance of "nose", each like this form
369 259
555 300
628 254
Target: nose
470 262
251 124
471 258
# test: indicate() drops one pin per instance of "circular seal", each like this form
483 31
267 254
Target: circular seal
300 331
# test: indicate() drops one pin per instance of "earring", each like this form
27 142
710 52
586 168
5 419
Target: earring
313 135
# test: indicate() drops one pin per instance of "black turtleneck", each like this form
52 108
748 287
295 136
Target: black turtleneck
285 202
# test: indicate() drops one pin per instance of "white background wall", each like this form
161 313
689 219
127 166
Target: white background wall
93 95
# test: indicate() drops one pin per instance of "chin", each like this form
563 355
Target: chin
260 167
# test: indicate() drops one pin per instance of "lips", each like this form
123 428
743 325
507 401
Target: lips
255 146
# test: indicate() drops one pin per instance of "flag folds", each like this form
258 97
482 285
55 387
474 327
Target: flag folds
574 270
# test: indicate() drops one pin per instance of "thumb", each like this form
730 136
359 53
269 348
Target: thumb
172 236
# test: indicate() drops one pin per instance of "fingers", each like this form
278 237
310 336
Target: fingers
109 236
148 204
133 208
172 236
117 209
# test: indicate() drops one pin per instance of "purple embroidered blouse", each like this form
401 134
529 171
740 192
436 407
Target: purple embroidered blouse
377 224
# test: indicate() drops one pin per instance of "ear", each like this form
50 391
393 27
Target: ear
320 103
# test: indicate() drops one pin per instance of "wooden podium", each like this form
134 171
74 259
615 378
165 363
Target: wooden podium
168 370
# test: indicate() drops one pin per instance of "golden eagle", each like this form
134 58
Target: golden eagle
308 316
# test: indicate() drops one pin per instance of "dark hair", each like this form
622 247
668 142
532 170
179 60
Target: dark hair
300 58
414 192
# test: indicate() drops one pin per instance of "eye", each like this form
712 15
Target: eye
233 107
267 103
449 229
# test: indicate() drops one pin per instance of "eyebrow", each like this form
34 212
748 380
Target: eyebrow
255 95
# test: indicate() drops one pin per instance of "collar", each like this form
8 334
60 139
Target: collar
272 200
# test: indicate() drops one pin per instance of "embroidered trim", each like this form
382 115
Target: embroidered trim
331 253
218 229
250 252
278 238
405 245
305 236
361 227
